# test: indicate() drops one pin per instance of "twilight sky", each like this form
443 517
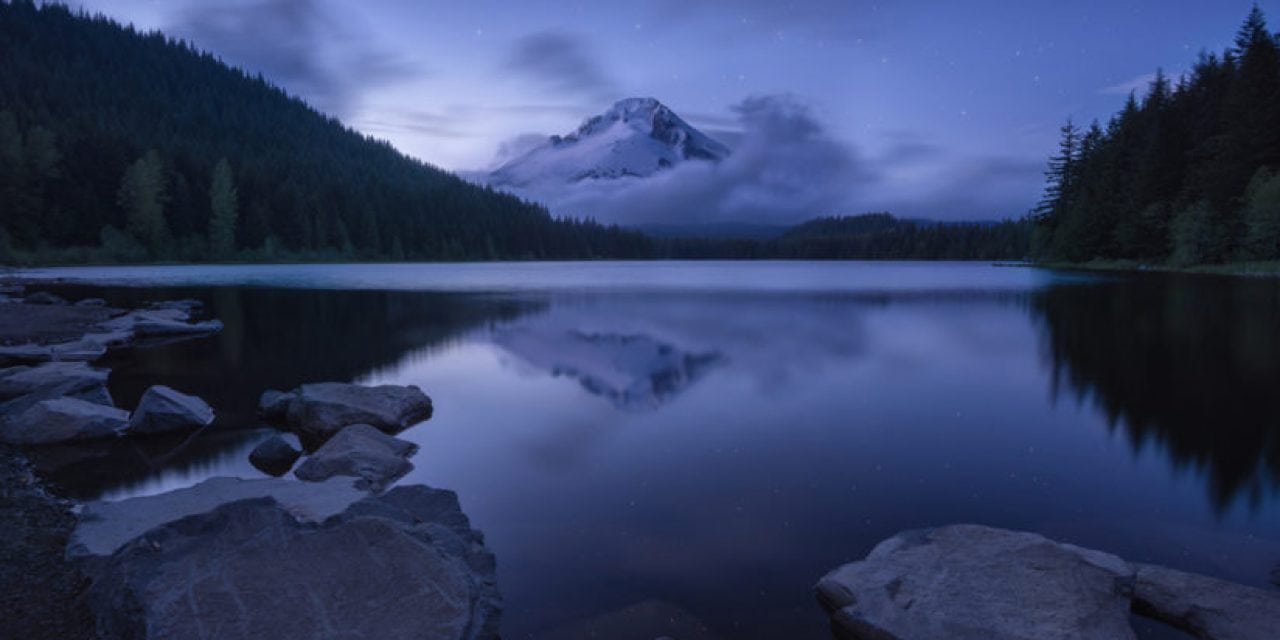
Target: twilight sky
941 109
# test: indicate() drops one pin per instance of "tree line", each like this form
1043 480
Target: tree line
117 145
1189 174
123 146
871 236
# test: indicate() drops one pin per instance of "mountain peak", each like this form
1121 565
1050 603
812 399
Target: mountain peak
635 137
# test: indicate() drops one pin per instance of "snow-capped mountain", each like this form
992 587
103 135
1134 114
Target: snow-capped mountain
636 137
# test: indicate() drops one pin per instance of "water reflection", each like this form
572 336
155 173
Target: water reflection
1187 364
272 339
689 462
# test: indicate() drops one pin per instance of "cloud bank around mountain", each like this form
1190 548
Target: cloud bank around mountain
784 166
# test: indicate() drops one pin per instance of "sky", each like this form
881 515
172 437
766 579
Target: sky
943 110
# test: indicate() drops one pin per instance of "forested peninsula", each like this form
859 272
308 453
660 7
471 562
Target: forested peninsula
1188 175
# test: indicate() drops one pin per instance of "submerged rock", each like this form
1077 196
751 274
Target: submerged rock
106 526
972 582
162 410
402 565
361 451
159 328
82 350
62 420
274 456
44 297
317 411
91 302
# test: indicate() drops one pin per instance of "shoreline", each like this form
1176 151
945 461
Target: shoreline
42 594
1239 269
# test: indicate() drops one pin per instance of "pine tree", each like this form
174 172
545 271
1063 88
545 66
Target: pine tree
1060 175
223 211
1262 218
143 196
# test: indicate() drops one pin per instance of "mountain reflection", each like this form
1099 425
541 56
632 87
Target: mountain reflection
633 371
1189 363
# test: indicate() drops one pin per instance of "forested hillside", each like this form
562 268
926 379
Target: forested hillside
1189 174
117 145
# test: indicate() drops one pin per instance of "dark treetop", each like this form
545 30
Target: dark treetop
1188 175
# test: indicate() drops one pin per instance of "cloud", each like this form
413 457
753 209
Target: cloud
517 146
560 62
1136 84
785 167
296 44
946 187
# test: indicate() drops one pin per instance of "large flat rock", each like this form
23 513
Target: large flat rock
399 566
107 526
969 582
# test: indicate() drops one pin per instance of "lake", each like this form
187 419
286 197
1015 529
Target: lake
691 446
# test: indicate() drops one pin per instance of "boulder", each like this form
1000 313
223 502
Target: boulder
274 456
273 406
361 451
44 297
162 410
317 411
974 582
91 302
402 565
1206 607
62 420
64 378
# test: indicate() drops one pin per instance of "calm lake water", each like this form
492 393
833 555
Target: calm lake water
694 444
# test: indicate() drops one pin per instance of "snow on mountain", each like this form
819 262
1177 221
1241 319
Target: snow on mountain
636 137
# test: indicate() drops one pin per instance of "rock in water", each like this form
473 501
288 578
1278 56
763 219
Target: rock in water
273 406
62 420
971 582
163 410
317 411
402 565
1207 607
274 456
361 451
44 297
72 378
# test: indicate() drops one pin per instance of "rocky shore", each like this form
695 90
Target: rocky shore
331 551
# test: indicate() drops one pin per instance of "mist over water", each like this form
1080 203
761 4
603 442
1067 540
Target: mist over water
703 441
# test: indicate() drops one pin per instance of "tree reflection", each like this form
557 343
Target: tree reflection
1191 363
